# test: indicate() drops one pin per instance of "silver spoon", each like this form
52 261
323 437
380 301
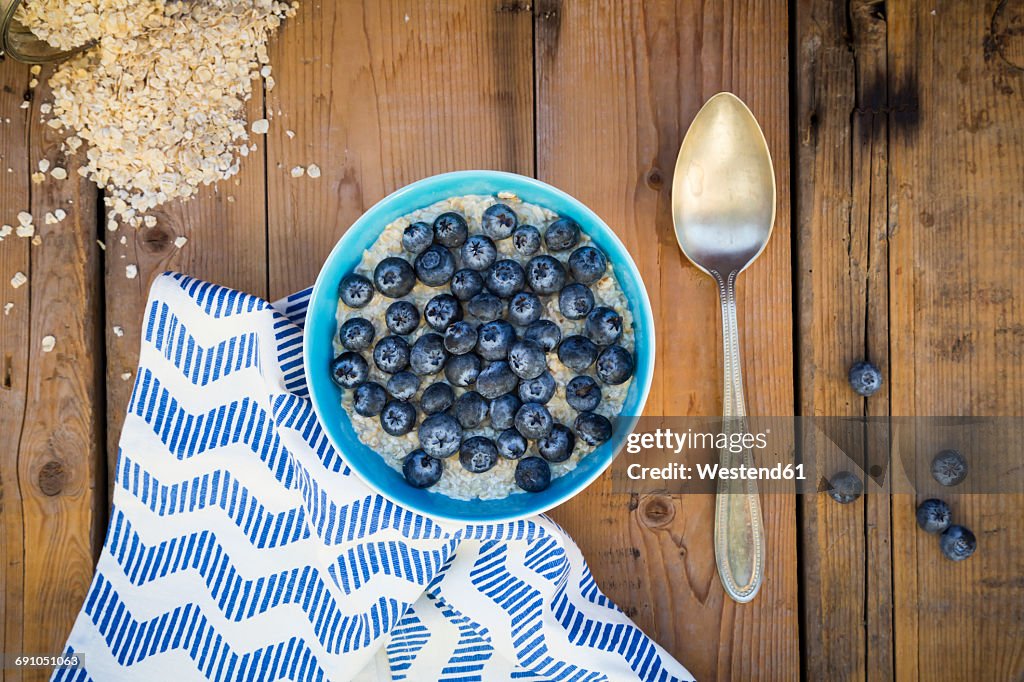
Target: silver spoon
723 206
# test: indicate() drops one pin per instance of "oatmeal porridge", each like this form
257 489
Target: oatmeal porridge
484 346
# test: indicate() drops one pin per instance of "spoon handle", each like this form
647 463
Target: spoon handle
739 530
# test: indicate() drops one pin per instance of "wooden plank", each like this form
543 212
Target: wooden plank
842 235
956 302
383 93
618 84
225 226
54 473
14 349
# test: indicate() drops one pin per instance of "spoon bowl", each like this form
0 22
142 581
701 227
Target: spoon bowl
723 189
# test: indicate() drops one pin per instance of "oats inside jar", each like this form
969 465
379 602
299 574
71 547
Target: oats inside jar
484 346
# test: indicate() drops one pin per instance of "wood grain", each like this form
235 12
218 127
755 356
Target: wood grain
956 304
14 350
54 480
841 173
380 94
225 226
618 84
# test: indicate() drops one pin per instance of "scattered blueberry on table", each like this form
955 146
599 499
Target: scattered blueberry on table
480 350
865 378
957 543
949 468
845 487
933 516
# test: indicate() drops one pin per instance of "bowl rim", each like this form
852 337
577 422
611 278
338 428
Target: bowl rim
442 179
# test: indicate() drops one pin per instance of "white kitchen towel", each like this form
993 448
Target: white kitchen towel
241 547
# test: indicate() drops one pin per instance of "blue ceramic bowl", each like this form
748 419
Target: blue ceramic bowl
321 328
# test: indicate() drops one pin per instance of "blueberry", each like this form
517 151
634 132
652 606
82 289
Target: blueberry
957 543
505 278
394 277
577 352
865 378
603 326
485 307
441 311
498 221
479 252
421 470
934 516
450 229
417 237
495 339
497 379
544 333
845 487
503 411
437 397
398 417
466 284
403 385
545 274
614 365
533 474
428 354
949 468
460 338
478 454
440 435
592 428
587 264
511 444
583 393
538 390
526 240
533 420
561 235
402 318
355 291
356 333
527 359
470 409
558 445
435 266
391 354
524 308
575 301
349 369
368 399
462 370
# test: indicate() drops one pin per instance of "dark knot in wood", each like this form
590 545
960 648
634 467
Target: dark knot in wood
156 240
654 179
52 478
657 511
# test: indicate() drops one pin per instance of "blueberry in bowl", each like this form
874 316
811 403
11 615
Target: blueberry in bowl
491 336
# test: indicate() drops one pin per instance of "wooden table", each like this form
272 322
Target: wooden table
898 139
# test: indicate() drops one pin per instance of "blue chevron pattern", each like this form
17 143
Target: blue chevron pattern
241 546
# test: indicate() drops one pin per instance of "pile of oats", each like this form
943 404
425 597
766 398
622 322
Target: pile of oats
159 102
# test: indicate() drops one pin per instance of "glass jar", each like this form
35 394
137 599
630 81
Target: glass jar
18 42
